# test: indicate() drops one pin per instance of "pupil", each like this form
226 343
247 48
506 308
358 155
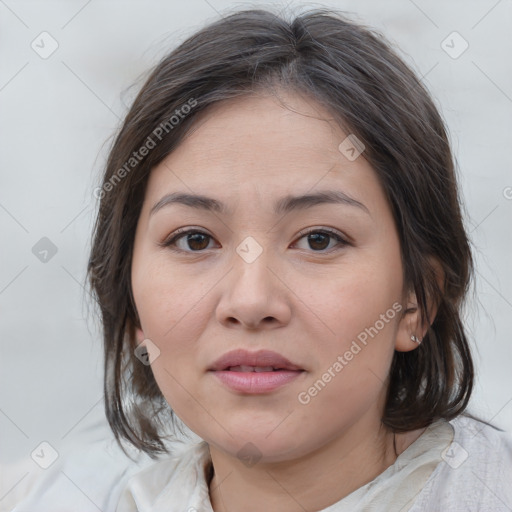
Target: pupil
194 238
315 237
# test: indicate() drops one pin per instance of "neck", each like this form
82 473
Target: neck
313 481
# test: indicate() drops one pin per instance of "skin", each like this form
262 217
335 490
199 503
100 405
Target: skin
304 300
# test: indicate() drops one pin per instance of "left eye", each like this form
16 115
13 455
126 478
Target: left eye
320 239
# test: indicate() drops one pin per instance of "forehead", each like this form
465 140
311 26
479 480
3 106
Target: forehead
263 128
263 147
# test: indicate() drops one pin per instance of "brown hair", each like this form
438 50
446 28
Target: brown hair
373 94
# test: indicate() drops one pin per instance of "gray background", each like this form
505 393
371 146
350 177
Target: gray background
57 114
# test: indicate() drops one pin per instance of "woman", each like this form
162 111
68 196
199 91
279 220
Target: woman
280 262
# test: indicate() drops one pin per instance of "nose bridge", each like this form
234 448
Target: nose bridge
251 265
252 293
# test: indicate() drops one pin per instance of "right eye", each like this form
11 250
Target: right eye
191 240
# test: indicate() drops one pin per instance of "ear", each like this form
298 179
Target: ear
410 323
139 335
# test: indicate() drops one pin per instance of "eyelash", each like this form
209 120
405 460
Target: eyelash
180 233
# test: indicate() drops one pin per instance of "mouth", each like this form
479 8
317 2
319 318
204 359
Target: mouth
255 372
257 369
245 361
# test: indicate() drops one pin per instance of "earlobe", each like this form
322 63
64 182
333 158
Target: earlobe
411 330
139 335
409 334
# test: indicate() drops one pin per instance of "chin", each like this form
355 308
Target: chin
252 447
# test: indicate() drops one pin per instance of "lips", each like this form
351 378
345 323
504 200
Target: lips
245 361
255 373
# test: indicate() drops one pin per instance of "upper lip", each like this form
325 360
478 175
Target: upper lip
243 357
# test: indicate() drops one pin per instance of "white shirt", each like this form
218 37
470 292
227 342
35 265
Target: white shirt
457 466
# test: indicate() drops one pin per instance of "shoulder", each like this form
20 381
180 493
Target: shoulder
181 473
475 472
85 477
161 472
478 445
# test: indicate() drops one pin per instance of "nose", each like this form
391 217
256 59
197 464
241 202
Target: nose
254 296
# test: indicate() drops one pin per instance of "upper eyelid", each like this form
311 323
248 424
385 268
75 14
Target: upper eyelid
329 230
302 232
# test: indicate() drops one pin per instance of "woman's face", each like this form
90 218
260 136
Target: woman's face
250 278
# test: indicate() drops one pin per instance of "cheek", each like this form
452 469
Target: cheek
172 314
167 300
172 311
360 319
355 298
354 362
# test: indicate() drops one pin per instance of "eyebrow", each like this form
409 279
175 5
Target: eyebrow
282 206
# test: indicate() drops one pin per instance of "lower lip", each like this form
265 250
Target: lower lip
256 382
